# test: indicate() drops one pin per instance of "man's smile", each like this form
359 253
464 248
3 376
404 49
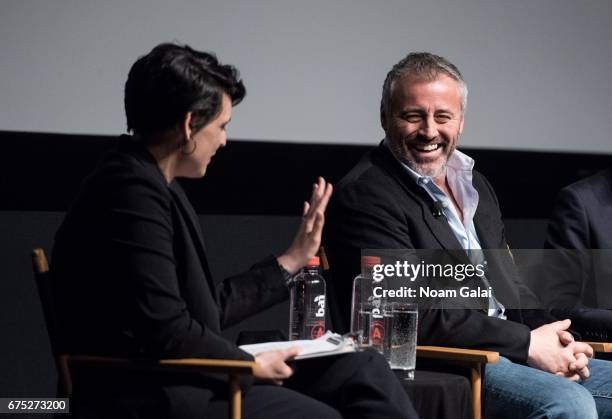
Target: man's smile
426 147
426 152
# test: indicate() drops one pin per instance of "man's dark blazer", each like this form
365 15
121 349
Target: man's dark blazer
378 206
581 222
582 218
130 271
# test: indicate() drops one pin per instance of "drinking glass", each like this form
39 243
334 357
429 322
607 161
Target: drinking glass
400 327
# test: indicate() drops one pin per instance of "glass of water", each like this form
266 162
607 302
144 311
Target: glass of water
401 337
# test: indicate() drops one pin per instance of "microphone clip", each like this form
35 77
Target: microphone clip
437 209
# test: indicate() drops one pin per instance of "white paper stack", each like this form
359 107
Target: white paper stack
328 344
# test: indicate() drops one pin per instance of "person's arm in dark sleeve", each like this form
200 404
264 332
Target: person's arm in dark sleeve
566 262
569 225
265 283
243 295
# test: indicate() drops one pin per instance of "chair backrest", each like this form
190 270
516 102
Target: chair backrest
324 261
54 330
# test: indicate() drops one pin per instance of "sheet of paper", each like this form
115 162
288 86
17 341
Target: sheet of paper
328 344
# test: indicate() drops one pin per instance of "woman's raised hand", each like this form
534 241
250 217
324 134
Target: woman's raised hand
308 237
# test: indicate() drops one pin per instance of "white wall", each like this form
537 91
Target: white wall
538 70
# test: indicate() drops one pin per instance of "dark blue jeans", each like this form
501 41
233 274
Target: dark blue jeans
518 391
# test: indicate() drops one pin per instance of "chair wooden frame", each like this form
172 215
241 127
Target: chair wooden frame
601 347
65 362
475 359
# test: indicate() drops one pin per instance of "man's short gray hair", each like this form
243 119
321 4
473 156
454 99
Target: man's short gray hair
424 66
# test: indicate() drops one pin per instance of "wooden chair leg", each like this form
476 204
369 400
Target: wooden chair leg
64 382
235 398
476 381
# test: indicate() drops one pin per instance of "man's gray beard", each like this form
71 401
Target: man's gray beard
398 152
432 173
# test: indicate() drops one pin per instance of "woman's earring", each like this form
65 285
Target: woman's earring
184 146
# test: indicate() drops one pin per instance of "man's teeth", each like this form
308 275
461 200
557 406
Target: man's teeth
429 147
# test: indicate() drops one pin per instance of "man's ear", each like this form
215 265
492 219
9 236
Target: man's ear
461 125
383 119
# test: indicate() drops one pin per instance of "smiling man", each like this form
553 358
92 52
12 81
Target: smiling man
423 119
417 191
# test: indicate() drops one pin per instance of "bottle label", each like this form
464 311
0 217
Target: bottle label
318 326
320 304
377 326
377 332
317 330
307 308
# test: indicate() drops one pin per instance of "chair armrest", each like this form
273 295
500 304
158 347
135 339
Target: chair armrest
210 365
458 354
601 346
189 365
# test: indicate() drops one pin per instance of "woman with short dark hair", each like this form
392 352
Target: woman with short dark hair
131 274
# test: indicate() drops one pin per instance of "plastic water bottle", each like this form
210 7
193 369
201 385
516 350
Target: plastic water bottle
366 310
307 303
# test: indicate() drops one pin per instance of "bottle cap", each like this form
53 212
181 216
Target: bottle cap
314 261
369 261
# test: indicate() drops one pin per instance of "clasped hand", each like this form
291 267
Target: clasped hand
553 349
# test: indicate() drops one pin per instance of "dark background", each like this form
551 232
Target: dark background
249 205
